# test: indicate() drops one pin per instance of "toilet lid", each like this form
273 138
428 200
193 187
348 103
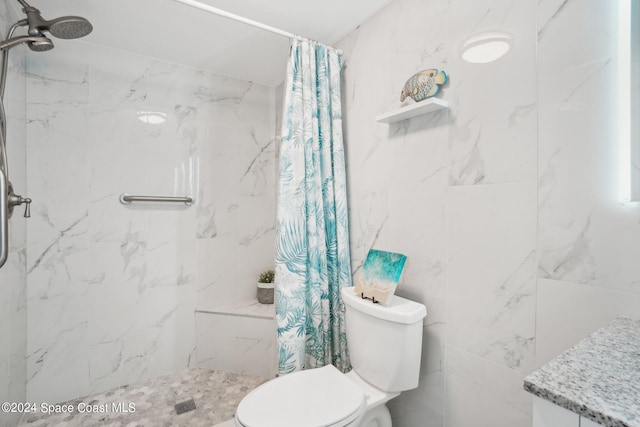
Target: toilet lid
319 397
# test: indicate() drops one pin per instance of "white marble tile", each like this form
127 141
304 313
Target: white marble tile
417 190
367 221
407 411
368 146
13 313
57 355
57 256
68 64
583 229
113 301
56 259
491 273
151 161
13 325
568 312
13 330
57 124
236 205
216 216
15 110
232 100
239 344
258 167
171 86
493 105
414 46
360 103
398 174
232 163
547 11
479 392
434 338
171 248
256 219
217 275
424 280
259 247
114 145
161 341
135 267
114 85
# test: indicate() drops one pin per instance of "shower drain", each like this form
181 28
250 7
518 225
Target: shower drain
186 406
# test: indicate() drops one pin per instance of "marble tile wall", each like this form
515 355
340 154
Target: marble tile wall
13 274
113 288
236 343
505 204
587 241
398 176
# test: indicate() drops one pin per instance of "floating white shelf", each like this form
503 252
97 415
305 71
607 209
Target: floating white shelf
423 107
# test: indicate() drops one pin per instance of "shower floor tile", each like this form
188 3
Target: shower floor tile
151 403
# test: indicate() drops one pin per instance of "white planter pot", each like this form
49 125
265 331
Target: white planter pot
265 292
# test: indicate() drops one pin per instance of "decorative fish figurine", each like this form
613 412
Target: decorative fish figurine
424 84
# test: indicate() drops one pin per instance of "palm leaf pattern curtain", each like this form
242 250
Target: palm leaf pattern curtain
312 235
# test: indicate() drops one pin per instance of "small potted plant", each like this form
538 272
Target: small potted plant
266 287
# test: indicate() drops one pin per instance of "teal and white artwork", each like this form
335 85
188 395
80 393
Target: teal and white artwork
381 273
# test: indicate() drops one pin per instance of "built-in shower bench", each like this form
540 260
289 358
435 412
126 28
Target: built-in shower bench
238 338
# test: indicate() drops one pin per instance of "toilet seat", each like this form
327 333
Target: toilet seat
322 397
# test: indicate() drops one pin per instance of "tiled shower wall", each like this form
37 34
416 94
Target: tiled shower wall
506 204
13 274
112 288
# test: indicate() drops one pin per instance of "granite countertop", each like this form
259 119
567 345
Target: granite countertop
599 378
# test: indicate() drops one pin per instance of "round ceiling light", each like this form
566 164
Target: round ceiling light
152 117
486 47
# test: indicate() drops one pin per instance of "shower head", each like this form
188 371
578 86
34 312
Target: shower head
43 44
65 27
69 27
35 43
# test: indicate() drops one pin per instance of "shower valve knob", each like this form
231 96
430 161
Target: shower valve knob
27 208
17 200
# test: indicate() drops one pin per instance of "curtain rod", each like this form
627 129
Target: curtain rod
225 14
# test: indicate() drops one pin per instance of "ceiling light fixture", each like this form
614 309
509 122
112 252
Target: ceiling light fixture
152 117
486 47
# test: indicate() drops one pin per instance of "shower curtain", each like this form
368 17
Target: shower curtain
312 236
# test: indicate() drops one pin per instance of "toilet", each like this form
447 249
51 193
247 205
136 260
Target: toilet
385 343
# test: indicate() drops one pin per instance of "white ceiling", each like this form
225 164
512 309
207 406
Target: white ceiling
172 31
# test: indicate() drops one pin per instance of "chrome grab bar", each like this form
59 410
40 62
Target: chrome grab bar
126 199
4 218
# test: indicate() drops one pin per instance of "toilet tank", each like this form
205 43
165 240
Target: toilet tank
385 342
